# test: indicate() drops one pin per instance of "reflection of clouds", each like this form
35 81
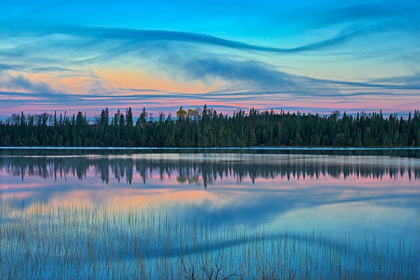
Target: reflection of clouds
243 187
155 236
268 189
264 206
206 169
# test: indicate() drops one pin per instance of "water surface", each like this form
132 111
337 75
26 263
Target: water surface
358 193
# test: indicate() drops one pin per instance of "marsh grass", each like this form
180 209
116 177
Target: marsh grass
67 241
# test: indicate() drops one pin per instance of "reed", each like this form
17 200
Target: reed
67 241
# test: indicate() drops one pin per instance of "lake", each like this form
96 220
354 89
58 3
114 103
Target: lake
362 193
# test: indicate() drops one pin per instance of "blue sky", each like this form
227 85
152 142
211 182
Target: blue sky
312 56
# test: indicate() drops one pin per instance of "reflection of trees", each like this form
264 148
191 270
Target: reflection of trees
203 172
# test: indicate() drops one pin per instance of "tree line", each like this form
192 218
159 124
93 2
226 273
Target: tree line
207 128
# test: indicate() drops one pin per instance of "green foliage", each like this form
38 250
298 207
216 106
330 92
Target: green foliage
207 128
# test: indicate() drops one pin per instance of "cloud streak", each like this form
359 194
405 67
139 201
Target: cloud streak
139 36
372 11
263 77
21 83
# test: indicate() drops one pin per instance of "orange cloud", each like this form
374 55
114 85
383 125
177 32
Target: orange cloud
139 79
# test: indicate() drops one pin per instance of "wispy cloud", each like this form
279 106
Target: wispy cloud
373 11
21 83
248 74
134 37
31 68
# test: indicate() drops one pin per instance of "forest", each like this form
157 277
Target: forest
207 128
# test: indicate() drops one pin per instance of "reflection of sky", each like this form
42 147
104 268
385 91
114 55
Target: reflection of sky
281 193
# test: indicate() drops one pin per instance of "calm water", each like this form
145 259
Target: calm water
359 193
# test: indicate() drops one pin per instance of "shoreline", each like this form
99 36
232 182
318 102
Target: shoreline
211 148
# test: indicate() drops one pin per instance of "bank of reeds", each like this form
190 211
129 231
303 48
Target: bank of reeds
67 241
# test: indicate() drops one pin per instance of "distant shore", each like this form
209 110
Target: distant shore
206 128
210 148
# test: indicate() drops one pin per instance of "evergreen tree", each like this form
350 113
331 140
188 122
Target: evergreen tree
207 128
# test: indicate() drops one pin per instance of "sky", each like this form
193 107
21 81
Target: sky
309 56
